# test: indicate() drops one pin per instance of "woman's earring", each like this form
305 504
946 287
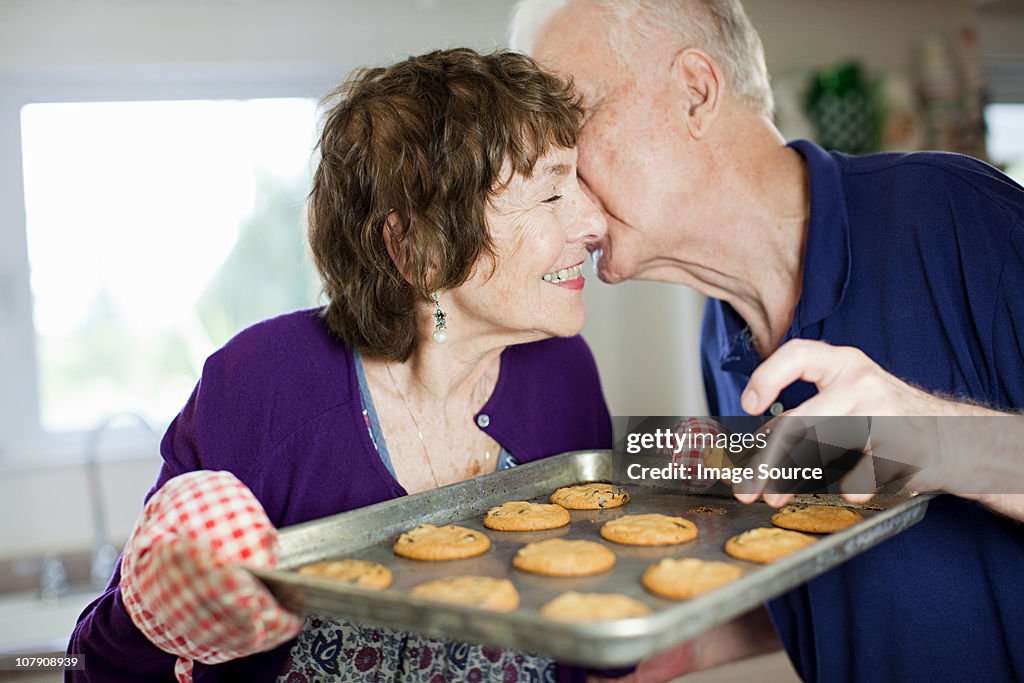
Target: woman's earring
440 335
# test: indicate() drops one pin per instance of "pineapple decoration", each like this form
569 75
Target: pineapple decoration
844 110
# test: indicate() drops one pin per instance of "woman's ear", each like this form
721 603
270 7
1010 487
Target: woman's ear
404 257
392 227
699 79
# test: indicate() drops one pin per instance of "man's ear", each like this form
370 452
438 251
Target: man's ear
699 78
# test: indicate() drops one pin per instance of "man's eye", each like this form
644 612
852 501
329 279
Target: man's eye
552 200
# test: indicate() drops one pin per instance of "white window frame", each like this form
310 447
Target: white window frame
22 438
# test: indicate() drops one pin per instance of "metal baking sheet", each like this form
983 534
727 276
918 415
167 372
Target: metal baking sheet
368 533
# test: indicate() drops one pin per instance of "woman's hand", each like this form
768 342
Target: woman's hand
658 668
747 635
182 580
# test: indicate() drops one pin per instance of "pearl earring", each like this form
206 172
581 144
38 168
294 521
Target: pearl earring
440 335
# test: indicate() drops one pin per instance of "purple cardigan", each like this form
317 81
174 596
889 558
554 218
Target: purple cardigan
279 407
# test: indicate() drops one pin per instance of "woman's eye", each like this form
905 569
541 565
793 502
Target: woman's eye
553 199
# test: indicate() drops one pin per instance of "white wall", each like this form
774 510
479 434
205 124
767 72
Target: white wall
1002 50
337 34
880 33
47 509
644 335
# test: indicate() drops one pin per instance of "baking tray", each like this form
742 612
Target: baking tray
368 533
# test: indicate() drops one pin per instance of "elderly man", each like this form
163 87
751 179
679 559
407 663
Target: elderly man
885 285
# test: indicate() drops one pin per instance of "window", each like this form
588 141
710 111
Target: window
154 232
1005 123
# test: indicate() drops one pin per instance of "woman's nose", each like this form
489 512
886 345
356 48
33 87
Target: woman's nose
590 225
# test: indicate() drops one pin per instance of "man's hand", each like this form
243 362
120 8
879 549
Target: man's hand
985 453
849 383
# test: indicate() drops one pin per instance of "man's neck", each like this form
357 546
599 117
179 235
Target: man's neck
777 290
753 258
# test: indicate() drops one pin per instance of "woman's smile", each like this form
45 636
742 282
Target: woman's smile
568 278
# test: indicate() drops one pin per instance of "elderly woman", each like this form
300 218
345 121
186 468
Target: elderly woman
449 228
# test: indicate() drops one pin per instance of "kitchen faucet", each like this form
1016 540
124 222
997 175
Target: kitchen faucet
104 553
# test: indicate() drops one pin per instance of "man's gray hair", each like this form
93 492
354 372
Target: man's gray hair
719 27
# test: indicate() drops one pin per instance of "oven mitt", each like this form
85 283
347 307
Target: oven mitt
182 580
704 431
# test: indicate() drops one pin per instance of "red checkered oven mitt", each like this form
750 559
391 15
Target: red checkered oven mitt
182 580
689 457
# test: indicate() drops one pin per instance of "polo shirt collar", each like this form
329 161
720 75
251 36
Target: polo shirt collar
827 255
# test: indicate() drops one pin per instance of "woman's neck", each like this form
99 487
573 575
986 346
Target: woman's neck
449 373
426 407
455 377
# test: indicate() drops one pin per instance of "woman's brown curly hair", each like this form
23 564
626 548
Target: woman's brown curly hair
428 139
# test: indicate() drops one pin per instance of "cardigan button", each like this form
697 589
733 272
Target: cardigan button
777 409
483 420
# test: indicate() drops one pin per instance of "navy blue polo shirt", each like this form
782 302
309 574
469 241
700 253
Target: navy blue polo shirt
917 260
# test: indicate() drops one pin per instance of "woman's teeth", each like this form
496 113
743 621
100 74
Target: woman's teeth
563 275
